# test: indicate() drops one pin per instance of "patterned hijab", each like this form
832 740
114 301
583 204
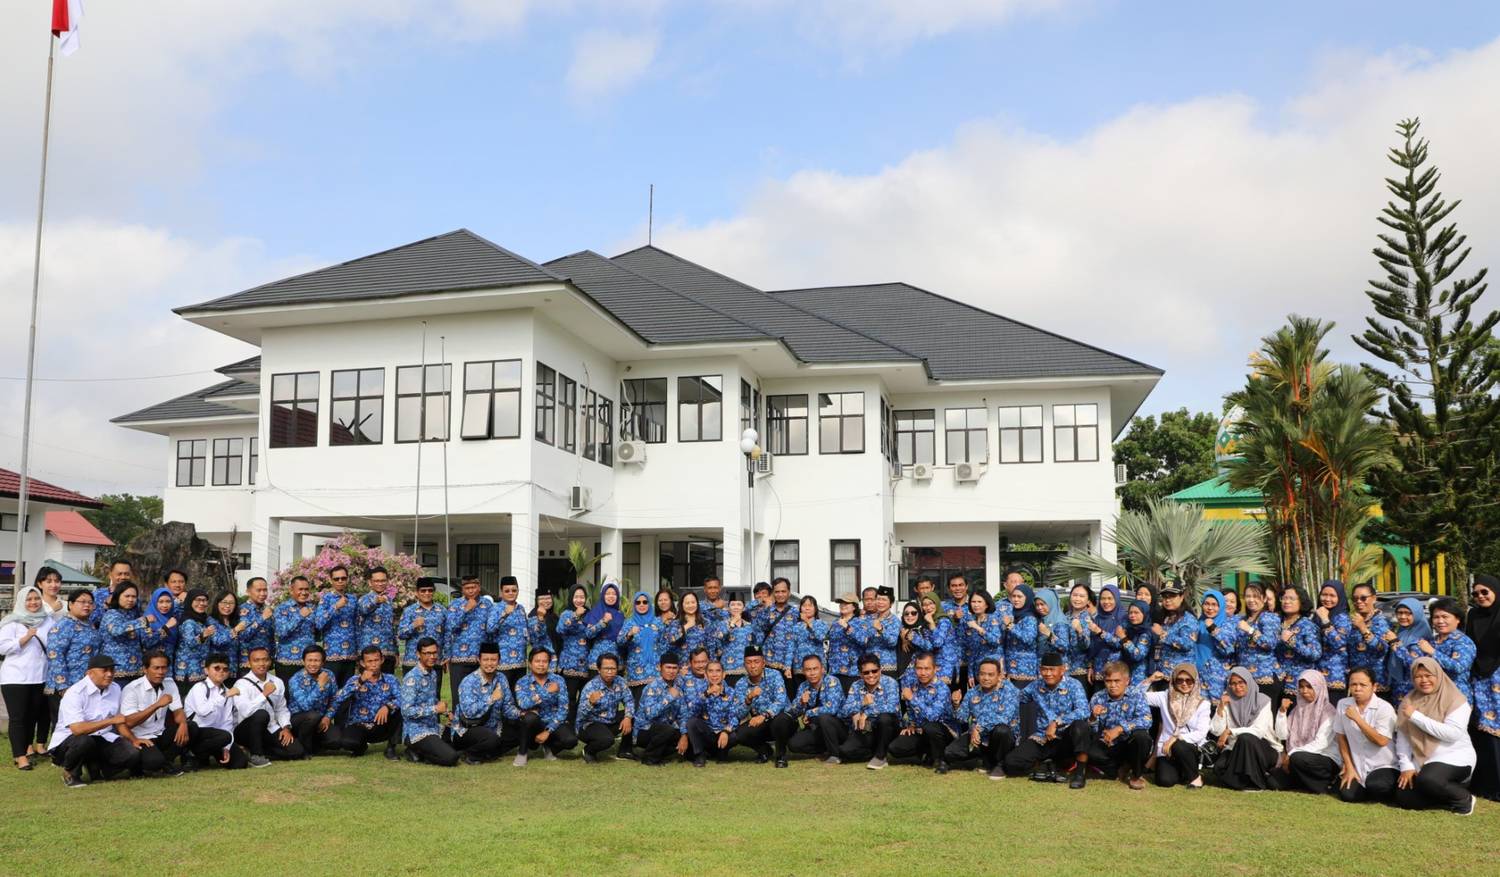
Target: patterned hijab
1306 718
1181 707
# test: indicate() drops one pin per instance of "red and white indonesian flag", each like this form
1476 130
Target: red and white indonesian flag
66 16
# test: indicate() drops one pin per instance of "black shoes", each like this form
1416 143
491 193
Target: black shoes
699 761
1080 776
942 767
781 762
589 757
390 753
761 758
1044 773
72 782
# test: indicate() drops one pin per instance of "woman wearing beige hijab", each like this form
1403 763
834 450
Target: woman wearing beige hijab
1433 749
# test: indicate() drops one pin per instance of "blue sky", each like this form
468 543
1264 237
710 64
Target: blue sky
1166 180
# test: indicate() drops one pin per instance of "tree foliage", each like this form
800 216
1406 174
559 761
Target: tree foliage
124 517
1164 457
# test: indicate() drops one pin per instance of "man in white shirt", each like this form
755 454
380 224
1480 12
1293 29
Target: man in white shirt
146 702
263 722
211 715
89 726
1365 727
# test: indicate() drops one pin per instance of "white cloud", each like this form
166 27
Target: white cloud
608 62
1178 234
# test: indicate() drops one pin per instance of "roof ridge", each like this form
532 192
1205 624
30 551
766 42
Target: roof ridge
679 294
511 253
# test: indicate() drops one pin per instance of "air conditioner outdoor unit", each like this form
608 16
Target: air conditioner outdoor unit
1121 476
921 472
763 463
578 498
966 472
631 452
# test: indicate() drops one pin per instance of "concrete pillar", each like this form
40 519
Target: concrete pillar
265 549
650 563
390 541
524 534
734 559
612 546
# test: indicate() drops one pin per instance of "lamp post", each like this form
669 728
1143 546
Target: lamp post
750 447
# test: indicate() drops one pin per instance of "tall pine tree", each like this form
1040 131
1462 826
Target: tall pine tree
1438 367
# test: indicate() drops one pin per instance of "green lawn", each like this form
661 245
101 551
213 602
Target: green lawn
338 815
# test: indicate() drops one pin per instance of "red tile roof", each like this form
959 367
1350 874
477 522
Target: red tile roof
41 491
74 528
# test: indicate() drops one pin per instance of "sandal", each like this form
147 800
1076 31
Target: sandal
26 766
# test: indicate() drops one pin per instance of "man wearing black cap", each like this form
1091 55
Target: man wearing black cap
762 697
89 725
508 629
1060 728
662 717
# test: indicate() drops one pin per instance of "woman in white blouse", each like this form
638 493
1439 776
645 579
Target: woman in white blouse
1365 728
1311 758
1433 749
49 582
1248 744
1184 726
23 643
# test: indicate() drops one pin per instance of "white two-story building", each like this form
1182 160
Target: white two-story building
455 400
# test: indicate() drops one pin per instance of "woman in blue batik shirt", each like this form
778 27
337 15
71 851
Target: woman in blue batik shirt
1216 644
576 632
195 640
125 630
1411 628
1104 646
638 640
1450 647
609 611
983 634
735 633
1021 637
1178 632
1080 611
691 630
1136 641
1332 618
1301 644
229 626
1053 632
1260 633
935 634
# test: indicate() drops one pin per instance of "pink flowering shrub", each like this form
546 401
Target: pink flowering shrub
350 550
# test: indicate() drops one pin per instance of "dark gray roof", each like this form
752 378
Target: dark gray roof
453 261
251 364
656 313
193 405
812 337
960 341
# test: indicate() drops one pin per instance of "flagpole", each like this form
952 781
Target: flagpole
36 278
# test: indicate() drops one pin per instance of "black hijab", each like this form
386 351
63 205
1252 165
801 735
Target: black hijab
1483 630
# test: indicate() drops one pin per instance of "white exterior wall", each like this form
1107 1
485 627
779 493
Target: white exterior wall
35 541
73 554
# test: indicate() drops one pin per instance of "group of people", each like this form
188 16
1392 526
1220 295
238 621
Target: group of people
1264 689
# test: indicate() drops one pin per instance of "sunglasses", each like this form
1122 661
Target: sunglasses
1483 592
1363 598
341 578
643 602
1183 680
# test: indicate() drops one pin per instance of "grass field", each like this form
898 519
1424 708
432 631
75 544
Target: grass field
335 815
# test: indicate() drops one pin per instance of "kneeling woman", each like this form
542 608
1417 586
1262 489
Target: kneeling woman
1312 760
1433 749
1184 726
1365 727
1248 744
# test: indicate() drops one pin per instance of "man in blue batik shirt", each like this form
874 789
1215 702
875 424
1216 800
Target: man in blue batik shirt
374 713
1121 719
929 722
991 712
661 720
542 698
485 723
605 709
422 710
816 709
337 623
1061 727
309 693
872 711
762 697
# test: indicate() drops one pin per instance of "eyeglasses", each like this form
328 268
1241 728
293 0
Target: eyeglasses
1363 598
341 578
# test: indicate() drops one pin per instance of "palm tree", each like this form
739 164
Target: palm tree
583 562
1171 542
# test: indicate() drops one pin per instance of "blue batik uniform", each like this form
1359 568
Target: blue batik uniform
721 712
434 624
550 706
1138 651
824 700
843 649
1258 648
638 640
1213 673
419 697
880 643
1059 639
1064 705
508 630
293 632
686 640
101 605
192 649
574 660
377 624
614 704
948 607
988 710
930 703
1179 643
989 645
1486 702
732 642
1080 643
944 646
1303 652
1368 651
70 645
803 640
366 698
1021 657
475 705
770 701
1334 662
662 704
887 700
777 627
337 628
306 693
465 630
1130 711
259 633
125 631
1454 652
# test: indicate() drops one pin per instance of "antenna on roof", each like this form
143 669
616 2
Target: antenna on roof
650 210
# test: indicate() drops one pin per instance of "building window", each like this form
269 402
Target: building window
1021 434
422 399
885 429
481 560
8 522
192 462
358 403
1075 433
643 410
750 409
630 565
229 459
965 428
700 402
590 423
786 418
254 460
604 433
916 436
546 403
940 565
567 413
841 423
786 555
492 399
294 410
843 561
686 564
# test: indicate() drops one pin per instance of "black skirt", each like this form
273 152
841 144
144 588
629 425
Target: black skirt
1247 765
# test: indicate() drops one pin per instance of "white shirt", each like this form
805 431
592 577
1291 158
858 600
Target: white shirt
252 698
1454 746
85 702
1195 731
1322 743
1262 727
207 705
1365 755
24 665
140 694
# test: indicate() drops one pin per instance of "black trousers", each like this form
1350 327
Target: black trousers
658 742
1486 780
103 758
627 742
930 741
305 729
486 743
284 672
845 681
1379 785
1308 771
1179 766
433 749
705 740
560 740
759 738
1129 751
992 749
873 742
598 736
252 734
1437 786
575 687
457 672
207 746
1070 741
341 670
823 735
356 738
26 704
